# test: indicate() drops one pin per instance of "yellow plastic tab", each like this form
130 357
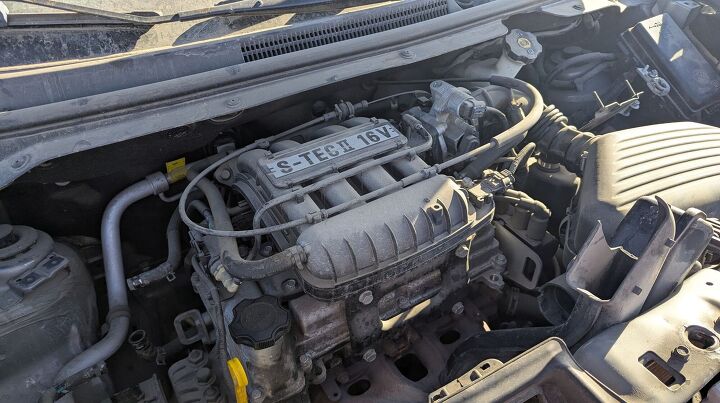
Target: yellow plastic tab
237 373
176 170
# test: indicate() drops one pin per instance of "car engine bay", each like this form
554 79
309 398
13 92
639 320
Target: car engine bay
535 218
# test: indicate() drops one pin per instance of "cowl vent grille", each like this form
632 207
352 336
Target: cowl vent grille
341 28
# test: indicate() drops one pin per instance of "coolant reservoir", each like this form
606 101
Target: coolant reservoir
48 312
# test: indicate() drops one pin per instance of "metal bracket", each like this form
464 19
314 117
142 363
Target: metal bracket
31 279
612 109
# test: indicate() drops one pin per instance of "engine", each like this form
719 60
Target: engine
384 239
364 228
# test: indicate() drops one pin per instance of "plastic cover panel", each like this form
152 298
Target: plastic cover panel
666 354
680 162
544 373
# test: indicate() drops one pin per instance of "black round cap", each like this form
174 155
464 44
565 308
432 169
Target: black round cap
522 46
259 323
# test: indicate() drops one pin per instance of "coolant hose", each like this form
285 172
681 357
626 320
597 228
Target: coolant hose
119 313
172 233
220 215
499 116
227 247
266 267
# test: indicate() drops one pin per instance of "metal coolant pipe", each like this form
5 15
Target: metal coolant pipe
119 313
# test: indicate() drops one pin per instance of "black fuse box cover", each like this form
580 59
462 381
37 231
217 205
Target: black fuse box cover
660 43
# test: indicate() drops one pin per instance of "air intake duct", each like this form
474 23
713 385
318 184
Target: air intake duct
558 141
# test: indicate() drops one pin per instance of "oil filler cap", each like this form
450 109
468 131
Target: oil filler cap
259 323
522 46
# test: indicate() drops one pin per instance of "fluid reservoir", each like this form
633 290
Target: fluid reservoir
48 312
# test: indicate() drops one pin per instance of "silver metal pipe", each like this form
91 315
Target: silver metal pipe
119 312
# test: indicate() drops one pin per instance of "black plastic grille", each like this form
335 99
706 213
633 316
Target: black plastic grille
341 28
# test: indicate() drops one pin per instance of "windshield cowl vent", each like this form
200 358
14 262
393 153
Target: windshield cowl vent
340 28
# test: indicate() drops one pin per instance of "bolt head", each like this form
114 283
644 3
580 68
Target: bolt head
369 355
289 284
458 308
366 297
266 250
256 395
305 361
195 356
342 378
225 174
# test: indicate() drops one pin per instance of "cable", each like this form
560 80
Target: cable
169 199
522 157
340 110
499 144
399 94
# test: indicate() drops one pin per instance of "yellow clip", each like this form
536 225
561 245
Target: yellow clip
237 373
176 170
